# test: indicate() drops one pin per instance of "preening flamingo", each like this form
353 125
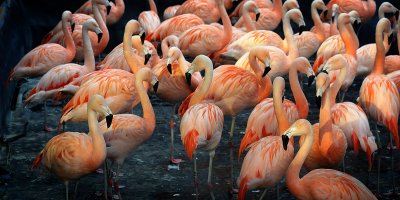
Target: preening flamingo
61 75
207 10
379 96
206 39
129 131
201 125
329 148
327 29
392 62
318 183
248 7
116 11
366 9
149 19
170 11
260 3
262 120
266 162
71 155
41 59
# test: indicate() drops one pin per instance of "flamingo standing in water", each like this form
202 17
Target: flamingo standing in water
202 123
71 155
129 131
366 9
318 183
59 76
329 148
116 11
262 120
149 19
379 96
266 162
46 56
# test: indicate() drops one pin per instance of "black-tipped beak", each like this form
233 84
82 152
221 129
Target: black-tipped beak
266 70
325 13
159 49
323 71
146 58
257 15
169 67
356 26
109 120
108 9
155 87
318 101
301 29
188 77
143 37
99 36
72 27
310 80
285 141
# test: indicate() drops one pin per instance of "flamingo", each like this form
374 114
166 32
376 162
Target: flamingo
155 59
379 97
206 39
201 125
248 7
117 86
149 19
260 4
266 162
207 10
71 155
392 62
366 9
129 131
41 59
170 11
318 183
348 116
116 11
262 120
327 29
62 75
329 149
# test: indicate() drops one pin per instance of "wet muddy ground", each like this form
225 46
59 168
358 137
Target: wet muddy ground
145 173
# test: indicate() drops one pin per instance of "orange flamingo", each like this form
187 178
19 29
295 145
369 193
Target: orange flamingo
348 116
117 86
46 56
149 19
366 9
170 11
318 183
207 10
201 125
129 131
262 120
62 75
206 39
329 148
379 97
266 162
71 155
116 11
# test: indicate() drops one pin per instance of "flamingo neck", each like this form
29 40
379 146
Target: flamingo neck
153 6
226 22
87 51
201 90
97 138
182 63
280 113
288 32
349 38
248 22
128 51
334 27
99 19
299 97
70 45
338 83
148 112
325 122
380 51
371 7
319 27
277 7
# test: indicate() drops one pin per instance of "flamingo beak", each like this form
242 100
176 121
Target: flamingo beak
318 100
285 141
310 80
108 9
323 71
147 58
109 120
257 15
99 36
266 70
169 67
143 37
155 87
72 26
188 77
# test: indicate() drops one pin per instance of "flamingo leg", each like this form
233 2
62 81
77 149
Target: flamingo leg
379 156
231 150
393 194
66 189
232 129
105 180
76 188
212 154
46 128
172 148
263 194
196 184
116 183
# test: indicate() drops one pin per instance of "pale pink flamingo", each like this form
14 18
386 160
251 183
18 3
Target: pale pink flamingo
260 3
328 29
262 120
392 62
129 131
348 116
117 86
71 155
366 9
174 26
201 125
155 59
329 148
41 59
266 162
379 97
149 19
170 11
206 39
207 10
318 183
61 75
116 11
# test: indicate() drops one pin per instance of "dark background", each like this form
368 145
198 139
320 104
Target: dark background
23 23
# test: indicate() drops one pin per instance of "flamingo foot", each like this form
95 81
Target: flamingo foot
48 129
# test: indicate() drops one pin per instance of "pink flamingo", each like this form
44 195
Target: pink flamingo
201 125
207 10
62 75
206 39
328 29
379 97
392 62
116 11
46 56
170 11
318 183
329 148
129 131
366 9
262 120
266 162
71 155
260 3
149 19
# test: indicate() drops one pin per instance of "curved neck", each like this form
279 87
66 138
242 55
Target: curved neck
153 6
380 51
349 38
97 138
97 16
70 45
201 91
253 60
334 29
248 22
148 112
317 23
299 97
288 32
87 50
338 83
182 63
128 51
325 122
280 113
277 7
226 22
